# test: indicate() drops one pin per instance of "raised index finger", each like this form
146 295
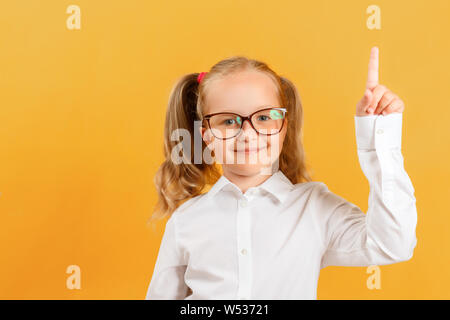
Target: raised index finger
372 77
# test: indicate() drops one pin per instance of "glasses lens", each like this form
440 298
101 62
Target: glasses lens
225 125
268 121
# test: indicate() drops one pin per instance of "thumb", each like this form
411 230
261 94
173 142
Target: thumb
365 101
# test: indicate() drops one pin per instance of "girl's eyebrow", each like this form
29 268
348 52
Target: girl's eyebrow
259 108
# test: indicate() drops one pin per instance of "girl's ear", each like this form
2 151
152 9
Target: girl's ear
201 129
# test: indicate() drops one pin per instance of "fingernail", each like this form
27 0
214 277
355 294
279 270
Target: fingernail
384 113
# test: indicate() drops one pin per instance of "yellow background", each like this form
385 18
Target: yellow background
82 115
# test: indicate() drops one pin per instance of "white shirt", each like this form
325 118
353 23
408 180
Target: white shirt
271 241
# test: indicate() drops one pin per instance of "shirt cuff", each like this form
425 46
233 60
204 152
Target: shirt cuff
378 131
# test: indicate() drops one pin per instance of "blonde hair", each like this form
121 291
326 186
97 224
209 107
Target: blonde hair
176 183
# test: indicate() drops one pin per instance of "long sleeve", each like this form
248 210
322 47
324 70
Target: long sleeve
167 282
387 233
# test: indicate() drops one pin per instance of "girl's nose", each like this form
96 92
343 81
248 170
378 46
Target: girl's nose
247 125
247 130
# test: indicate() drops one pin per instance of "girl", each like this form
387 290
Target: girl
255 235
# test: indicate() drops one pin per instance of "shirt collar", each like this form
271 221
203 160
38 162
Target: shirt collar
278 185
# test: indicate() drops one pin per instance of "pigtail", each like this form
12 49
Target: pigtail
292 157
176 183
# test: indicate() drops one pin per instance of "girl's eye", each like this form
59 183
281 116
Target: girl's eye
265 118
232 121
229 121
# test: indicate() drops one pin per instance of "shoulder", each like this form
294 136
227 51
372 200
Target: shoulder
311 192
189 205
326 201
311 186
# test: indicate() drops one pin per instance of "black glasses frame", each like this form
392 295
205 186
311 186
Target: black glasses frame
249 118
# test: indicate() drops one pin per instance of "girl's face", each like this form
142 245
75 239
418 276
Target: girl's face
243 93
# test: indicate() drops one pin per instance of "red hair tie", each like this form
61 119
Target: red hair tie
201 75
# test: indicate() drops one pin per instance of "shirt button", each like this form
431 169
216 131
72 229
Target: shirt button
244 251
380 131
243 203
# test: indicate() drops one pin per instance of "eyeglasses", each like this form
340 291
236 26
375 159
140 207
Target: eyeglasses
226 125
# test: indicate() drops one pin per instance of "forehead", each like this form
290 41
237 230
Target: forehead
242 92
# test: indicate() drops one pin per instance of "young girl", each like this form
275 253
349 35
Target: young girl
266 235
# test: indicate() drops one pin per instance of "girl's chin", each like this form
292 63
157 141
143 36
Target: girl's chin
248 169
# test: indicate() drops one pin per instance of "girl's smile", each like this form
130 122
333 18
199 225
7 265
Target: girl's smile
249 150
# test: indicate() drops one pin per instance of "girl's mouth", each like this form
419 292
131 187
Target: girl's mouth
250 150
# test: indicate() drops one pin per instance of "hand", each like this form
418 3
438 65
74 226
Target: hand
377 98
